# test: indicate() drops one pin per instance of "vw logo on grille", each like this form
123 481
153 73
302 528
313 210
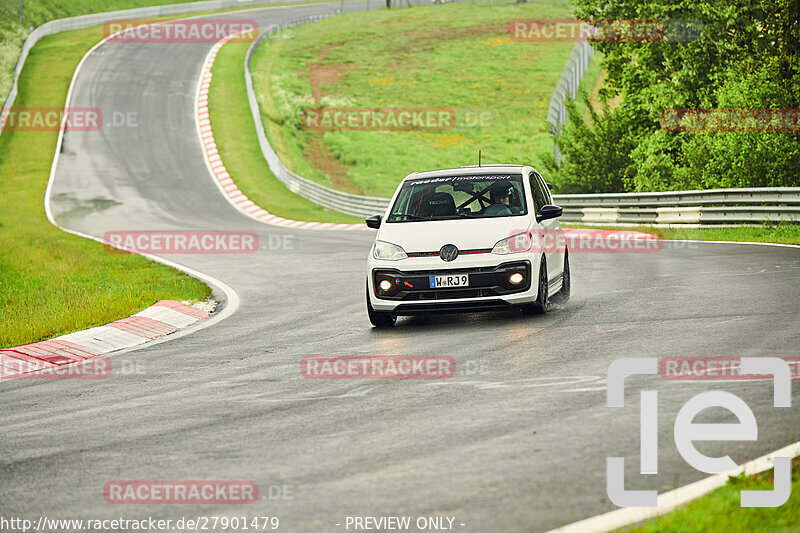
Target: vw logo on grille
448 252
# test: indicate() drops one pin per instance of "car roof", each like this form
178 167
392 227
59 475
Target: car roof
469 170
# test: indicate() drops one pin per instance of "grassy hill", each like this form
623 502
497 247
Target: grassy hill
454 56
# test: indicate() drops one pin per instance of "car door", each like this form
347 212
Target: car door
550 233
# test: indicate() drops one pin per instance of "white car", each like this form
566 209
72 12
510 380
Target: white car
467 239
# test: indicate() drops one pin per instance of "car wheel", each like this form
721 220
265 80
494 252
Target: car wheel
379 319
566 282
542 303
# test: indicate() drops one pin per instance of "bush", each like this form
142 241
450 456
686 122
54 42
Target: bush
596 155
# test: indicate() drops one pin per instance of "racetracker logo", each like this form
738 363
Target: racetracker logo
182 242
715 369
180 492
585 241
394 119
604 30
51 119
180 31
378 367
98 367
718 120
686 431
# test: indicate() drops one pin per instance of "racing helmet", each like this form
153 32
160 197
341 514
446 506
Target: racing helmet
501 189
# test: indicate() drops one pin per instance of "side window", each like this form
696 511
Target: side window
547 196
539 195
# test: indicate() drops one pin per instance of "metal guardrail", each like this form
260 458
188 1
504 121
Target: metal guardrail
351 204
571 76
789 196
86 21
709 207
703 208
695 216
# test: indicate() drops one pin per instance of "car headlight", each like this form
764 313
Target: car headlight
514 244
388 251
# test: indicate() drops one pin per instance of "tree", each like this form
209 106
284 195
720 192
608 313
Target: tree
746 55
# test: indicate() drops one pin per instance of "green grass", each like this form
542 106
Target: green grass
456 56
11 38
234 133
588 83
782 233
37 12
52 283
720 510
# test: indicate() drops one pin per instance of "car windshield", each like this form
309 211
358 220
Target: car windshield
454 197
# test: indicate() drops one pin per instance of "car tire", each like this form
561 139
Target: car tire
542 303
379 319
566 282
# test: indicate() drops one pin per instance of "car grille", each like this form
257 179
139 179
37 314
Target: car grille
449 295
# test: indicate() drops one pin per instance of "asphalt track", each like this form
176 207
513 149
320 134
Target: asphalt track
517 441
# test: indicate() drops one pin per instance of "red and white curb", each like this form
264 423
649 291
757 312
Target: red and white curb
162 318
217 168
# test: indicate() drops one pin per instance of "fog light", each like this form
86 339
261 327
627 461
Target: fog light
385 285
515 278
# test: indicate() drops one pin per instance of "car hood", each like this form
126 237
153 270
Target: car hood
430 236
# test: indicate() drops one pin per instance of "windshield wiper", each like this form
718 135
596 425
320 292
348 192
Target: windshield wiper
413 217
395 216
449 217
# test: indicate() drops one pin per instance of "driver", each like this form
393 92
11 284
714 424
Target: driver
500 194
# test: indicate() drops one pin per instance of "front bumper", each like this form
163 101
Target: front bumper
489 286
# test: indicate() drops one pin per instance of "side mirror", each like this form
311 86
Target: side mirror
548 212
373 222
549 185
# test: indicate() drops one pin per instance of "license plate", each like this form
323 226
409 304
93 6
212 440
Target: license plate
452 280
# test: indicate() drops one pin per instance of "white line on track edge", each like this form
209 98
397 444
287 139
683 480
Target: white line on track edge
669 501
232 297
